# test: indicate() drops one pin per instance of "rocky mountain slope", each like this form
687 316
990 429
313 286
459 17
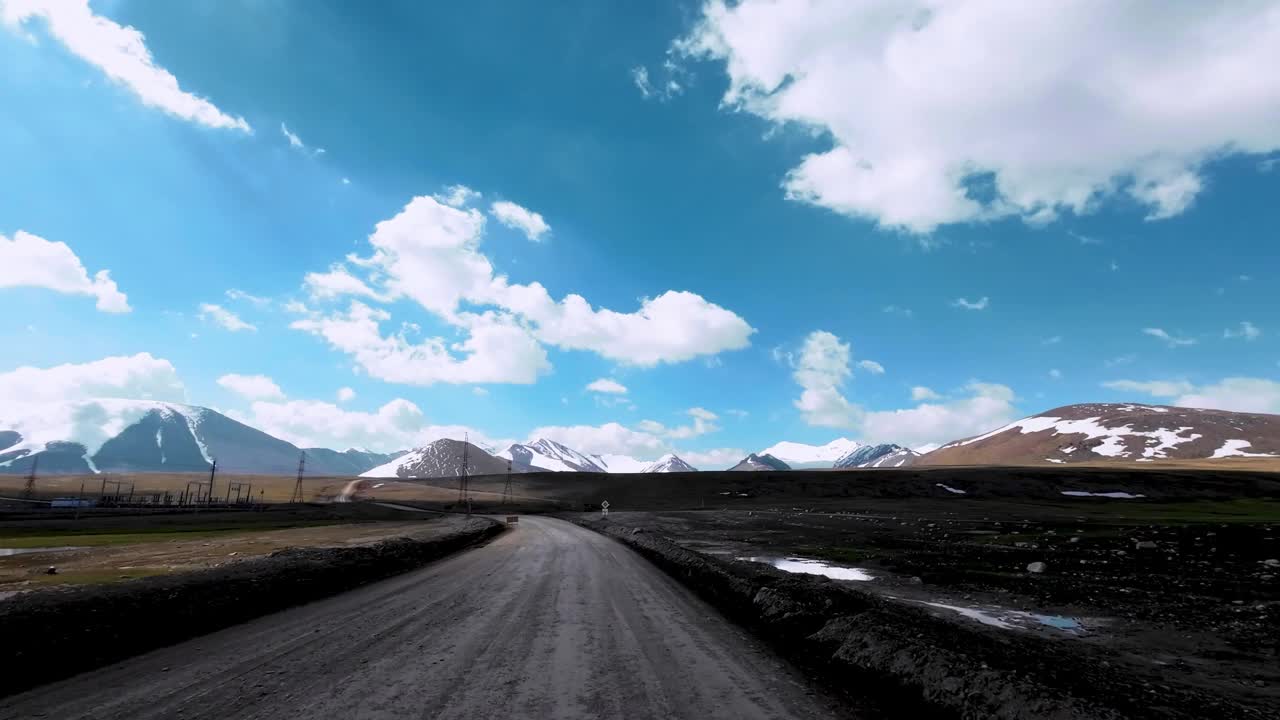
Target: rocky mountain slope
444 458
799 455
763 461
148 436
670 463
546 454
1120 432
885 455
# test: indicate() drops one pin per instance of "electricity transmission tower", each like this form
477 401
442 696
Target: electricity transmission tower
464 492
507 494
29 490
297 487
213 470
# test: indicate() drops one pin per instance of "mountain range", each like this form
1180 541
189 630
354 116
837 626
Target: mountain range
148 436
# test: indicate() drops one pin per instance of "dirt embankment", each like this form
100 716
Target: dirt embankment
55 634
858 639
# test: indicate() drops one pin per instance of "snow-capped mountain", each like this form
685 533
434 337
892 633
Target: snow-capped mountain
544 454
670 463
763 461
111 435
1115 431
800 455
620 463
885 455
443 458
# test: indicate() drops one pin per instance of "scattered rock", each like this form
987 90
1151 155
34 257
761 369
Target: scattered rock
1037 567
1271 562
1145 545
51 571
637 531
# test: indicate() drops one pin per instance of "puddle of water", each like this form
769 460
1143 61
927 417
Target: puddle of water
1011 619
807 566
6 552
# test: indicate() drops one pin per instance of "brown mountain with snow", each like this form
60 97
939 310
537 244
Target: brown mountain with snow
1116 432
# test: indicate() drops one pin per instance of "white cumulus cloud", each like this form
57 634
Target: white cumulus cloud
29 260
397 425
925 101
88 402
518 218
497 350
1239 394
921 392
871 366
119 52
252 387
346 394
822 369
429 253
607 385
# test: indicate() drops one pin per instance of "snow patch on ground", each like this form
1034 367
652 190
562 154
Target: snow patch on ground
1114 439
808 566
1236 448
953 491
1113 495
1055 460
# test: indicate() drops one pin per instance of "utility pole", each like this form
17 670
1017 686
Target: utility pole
507 495
463 491
212 470
30 490
297 487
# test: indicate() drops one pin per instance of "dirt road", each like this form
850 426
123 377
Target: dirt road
548 621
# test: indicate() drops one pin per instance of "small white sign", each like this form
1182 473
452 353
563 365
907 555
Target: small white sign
604 508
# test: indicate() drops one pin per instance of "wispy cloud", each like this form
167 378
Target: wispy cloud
224 318
1246 331
979 304
1170 340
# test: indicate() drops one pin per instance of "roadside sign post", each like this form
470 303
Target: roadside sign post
604 509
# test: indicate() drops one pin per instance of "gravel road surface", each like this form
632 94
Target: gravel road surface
547 621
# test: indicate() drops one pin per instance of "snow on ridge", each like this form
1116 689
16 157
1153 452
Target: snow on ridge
797 453
1113 438
1236 448
391 468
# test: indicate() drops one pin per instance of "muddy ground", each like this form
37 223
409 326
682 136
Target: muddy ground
114 545
1182 596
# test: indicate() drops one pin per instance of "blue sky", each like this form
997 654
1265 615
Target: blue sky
874 235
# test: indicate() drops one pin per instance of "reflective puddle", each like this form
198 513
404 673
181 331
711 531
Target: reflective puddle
1010 619
6 552
808 566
